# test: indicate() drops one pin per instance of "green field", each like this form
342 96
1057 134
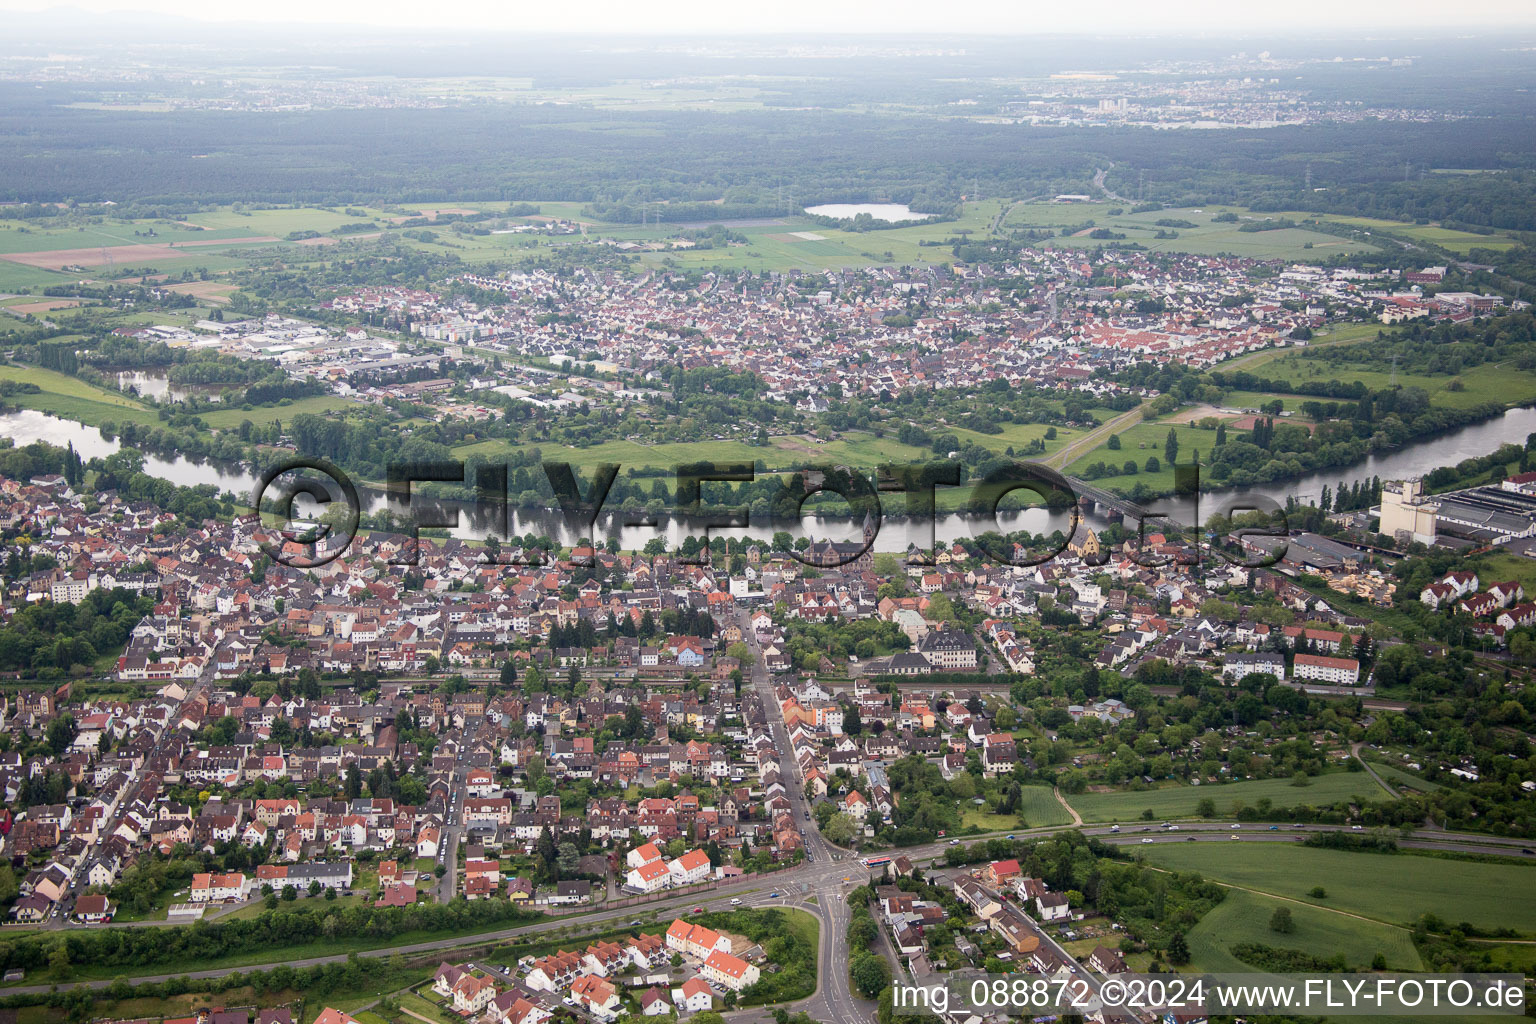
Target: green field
1450 239
1392 888
1139 442
1244 917
1400 778
1207 237
1181 801
74 399
1038 806
1490 382
320 405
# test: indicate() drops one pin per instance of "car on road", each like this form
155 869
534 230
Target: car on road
1173 828
636 922
698 910
1357 828
1274 828
735 901
1114 828
1234 825
1146 840
1012 836
773 895
1234 837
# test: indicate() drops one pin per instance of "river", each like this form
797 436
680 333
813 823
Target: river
1446 449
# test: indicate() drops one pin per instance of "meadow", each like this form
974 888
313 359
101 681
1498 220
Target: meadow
1183 801
1244 917
1207 238
1489 382
1390 888
71 398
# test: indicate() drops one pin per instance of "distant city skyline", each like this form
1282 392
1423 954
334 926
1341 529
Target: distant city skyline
698 17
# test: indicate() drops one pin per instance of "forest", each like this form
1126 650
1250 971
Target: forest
747 160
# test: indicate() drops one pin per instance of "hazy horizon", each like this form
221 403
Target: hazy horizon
1205 19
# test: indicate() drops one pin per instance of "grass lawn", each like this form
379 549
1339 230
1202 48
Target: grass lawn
1244 917
1400 778
979 817
1181 801
74 399
627 453
431 1011
1504 566
319 405
1393 888
1140 442
1490 382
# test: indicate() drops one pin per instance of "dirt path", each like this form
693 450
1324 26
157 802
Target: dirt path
1089 441
1354 749
1077 819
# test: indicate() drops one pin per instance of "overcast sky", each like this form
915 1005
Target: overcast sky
672 17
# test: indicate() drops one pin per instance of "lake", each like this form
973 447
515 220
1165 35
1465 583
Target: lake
893 212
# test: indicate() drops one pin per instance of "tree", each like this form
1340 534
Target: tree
869 973
1206 808
1280 921
840 828
941 609
1114 442
61 733
1178 949
1171 447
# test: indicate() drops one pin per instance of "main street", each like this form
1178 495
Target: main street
821 879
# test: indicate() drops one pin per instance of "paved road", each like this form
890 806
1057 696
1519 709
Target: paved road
825 880
822 876
1098 183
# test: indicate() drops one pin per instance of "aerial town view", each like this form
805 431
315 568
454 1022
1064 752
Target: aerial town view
862 515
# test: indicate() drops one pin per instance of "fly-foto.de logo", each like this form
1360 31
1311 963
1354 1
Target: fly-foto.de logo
908 490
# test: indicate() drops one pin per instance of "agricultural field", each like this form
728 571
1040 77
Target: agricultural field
1038 807
1182 801
1450 239
1208 237
1390 888
1244 917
